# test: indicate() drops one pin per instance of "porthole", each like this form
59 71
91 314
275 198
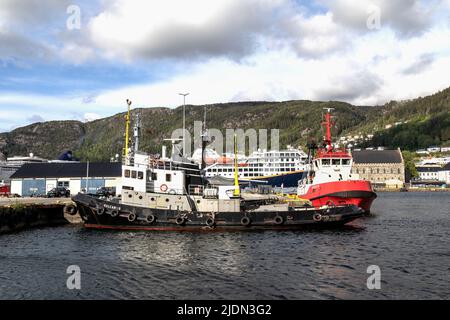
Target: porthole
198 201
152 199
140 197
167 200
130 196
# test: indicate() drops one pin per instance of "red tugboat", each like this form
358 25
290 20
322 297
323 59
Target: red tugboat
328 180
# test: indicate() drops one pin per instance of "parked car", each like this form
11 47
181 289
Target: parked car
58 192
106 192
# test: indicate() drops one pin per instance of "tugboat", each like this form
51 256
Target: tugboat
328 180
160 193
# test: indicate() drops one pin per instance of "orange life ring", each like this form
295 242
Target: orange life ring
163 187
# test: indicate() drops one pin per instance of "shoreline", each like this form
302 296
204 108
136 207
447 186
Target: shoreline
412 190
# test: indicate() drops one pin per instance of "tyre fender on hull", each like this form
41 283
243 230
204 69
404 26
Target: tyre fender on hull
100 210
131 217
246 221
70 209
278 220
150 218
210 222
180 220
114 213
317 217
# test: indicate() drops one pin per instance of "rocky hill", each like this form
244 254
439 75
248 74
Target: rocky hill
298 121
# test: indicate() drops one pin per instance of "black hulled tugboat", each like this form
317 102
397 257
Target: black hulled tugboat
173 194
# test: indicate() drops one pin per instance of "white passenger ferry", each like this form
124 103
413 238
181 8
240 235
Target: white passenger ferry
280 168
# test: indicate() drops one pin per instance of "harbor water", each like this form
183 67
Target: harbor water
407 237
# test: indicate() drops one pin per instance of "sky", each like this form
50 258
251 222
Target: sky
81 60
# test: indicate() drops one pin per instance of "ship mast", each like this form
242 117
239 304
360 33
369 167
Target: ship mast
205 140
237 190
127 129
137 132
327 124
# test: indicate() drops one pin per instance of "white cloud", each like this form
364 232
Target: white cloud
91 116
171 28
405 17
244 50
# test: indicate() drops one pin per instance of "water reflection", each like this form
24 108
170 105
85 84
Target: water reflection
410 247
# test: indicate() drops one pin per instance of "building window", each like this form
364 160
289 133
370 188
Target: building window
127 173
168 177
63 184
140 175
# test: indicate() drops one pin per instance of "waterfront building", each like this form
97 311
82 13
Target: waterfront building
39 178
444 174
10 165
383 168
428 173
433 174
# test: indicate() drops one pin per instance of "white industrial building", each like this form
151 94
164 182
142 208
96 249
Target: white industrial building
39 178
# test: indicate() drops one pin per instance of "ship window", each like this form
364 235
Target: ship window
325 162
345 162
127 173
133 174
168 177
336 162
140 175
154 176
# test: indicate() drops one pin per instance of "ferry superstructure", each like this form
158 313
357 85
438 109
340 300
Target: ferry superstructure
279 168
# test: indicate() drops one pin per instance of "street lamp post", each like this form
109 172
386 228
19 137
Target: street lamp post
184 120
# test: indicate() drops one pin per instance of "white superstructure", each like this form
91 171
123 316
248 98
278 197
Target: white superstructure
258 165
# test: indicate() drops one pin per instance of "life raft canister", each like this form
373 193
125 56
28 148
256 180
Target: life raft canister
163 187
